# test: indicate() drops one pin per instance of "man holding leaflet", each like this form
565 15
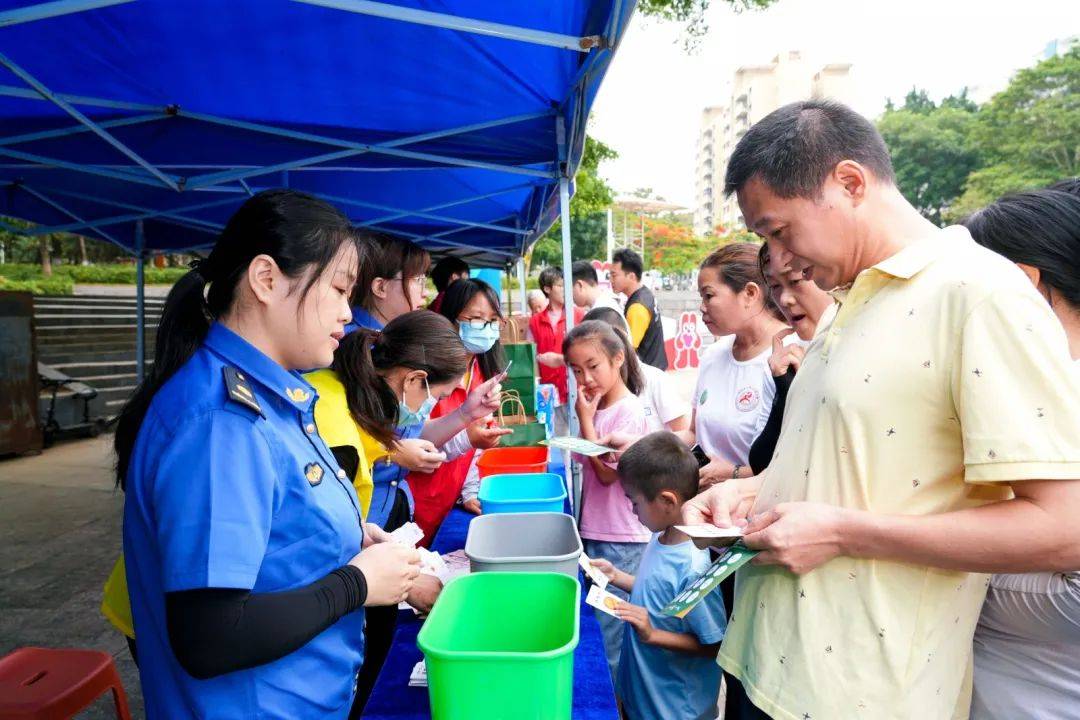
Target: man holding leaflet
929 436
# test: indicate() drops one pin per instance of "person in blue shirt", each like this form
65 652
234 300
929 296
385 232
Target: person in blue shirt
667 669
391 282
248 563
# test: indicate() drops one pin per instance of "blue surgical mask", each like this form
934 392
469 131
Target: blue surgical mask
407 417
478 336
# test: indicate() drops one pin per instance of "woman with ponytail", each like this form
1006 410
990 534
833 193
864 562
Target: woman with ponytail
377 395
247 561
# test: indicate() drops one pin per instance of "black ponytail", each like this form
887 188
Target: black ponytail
417 340
297 230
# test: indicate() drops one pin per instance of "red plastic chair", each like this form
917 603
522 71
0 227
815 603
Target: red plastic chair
46 684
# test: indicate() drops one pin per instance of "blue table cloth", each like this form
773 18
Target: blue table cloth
594 696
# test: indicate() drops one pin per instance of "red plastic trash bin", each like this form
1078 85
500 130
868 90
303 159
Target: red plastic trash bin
512 461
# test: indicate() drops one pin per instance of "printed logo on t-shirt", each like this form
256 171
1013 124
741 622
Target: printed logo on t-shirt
704 394
747 399
648 412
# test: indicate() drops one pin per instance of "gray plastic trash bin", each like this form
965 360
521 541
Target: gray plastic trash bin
524 542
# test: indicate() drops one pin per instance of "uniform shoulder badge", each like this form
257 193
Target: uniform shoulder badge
239 390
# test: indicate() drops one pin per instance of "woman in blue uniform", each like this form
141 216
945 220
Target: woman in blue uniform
247 562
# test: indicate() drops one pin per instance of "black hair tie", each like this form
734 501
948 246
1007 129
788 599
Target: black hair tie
202 267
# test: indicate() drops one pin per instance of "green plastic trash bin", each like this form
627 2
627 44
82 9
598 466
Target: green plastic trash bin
500 646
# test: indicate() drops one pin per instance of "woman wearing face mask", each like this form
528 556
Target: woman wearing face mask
242 534
473 307
805 307
380 389
391 282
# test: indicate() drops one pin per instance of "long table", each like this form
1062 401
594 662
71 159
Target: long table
392 698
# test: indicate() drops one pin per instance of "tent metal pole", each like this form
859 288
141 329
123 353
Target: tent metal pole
117 219
562 142
140 302
454 22
522 294
41 11
77 129
57 206
94 127
443 206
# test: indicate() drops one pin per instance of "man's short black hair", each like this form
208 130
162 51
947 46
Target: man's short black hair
549 276
657 462
794 149
630 261
449 265
584 270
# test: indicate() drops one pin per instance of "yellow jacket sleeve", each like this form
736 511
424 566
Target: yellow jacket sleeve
638 318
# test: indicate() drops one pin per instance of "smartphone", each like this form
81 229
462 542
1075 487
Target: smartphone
700 456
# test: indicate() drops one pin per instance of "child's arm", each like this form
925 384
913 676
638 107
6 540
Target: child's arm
687 643
618 578
586 410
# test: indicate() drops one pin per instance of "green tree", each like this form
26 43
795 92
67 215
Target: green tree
592 197
932 150
691 13
1028 134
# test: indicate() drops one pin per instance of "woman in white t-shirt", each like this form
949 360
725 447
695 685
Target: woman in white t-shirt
735 389
665 409
1027 642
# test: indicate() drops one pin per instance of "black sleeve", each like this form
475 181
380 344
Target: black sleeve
214 631
761 451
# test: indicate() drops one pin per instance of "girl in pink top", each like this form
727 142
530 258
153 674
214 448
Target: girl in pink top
609 378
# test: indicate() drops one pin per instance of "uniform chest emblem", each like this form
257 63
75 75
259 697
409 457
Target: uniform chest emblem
747 399
313 472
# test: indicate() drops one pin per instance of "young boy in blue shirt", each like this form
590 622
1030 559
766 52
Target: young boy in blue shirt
667 670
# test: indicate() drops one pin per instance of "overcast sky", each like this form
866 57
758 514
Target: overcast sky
649 107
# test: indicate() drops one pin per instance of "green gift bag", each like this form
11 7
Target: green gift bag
523 356
526 431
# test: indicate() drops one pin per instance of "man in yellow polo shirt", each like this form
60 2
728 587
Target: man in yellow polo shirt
930 436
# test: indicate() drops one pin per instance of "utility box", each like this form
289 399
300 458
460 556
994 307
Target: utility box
20 429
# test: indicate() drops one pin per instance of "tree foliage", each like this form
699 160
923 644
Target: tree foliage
588 223
1028 134
953 157
691 13
932 150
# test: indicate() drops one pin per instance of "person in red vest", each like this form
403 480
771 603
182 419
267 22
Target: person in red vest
547 329
474 309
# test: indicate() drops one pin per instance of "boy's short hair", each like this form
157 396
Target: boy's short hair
630 261
583 270
657 462
449 265
549 276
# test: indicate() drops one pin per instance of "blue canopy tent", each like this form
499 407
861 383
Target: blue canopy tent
145 123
